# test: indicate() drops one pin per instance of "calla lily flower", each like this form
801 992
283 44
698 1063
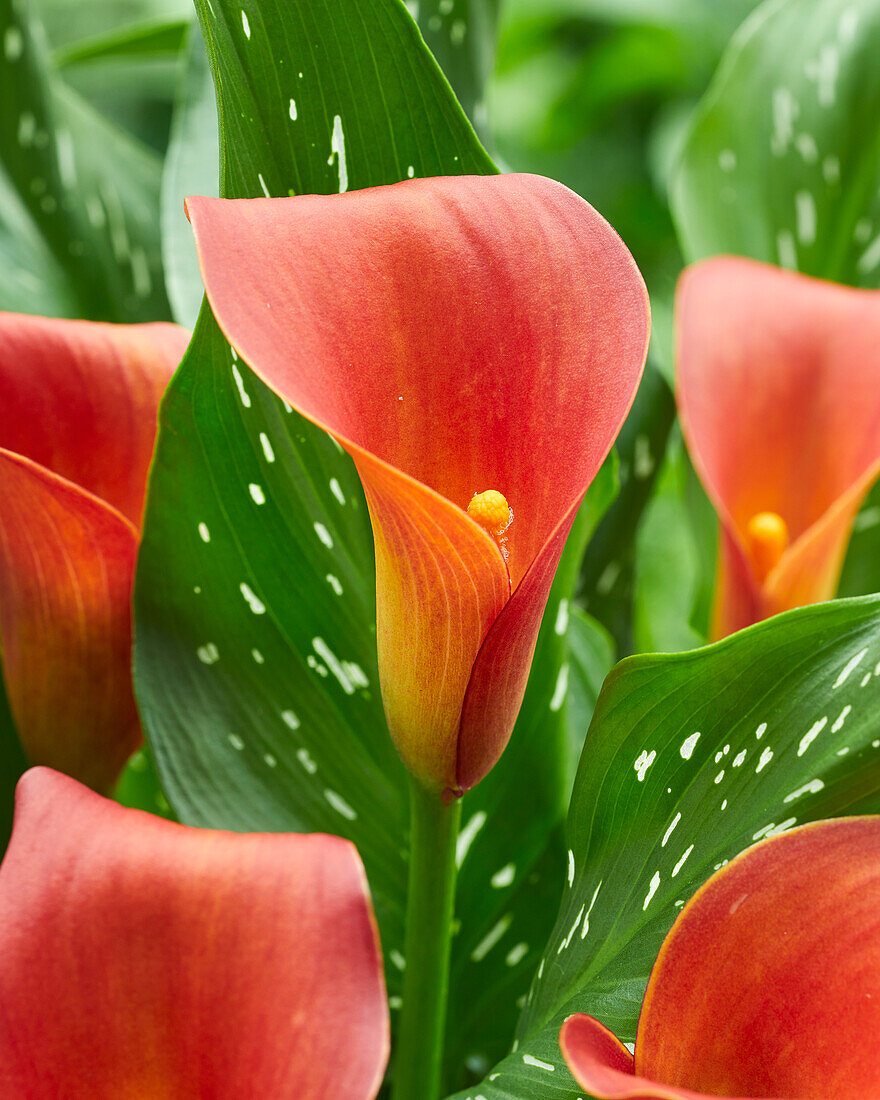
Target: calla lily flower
768 984
78 408
141 958
778 378
470 342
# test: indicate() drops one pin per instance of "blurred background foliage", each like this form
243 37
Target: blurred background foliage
116 122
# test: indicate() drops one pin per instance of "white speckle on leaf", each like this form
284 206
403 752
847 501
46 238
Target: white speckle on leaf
806 146
252 599
337 149
681 862
811 735
841 718
785 111
340 805
643 762
306 761
805 212
239 384
586 927
528 1060
765 758
13 44
560 689
491 938
208 654
333 663
870 258
516 954
467 836
669 831
813 787
786 250
688 745
846 28
652 889
849 667
268 453
504 877
824 71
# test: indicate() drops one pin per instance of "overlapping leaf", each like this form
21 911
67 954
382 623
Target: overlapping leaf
689 759
91 190
782 163
255 655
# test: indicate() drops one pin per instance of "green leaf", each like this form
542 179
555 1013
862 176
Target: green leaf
607 573
91 190
592 658
780 164
31 280
139 786
255 649
156 37
190 169
674 561
512 852
861 568
461 35
691 758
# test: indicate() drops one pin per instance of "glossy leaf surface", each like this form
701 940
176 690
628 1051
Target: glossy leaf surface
781 945
778 166
244 738
691 758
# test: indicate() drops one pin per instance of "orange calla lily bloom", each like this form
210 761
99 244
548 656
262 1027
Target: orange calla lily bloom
768 984
78 414
474 343
778 379
141 958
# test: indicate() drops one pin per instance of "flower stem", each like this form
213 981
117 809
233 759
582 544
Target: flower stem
429 910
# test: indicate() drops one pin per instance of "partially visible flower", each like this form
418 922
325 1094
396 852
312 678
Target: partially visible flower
78 405
461 338
141 958
768 984
778 379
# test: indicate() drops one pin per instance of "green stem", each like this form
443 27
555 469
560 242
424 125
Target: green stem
429 910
